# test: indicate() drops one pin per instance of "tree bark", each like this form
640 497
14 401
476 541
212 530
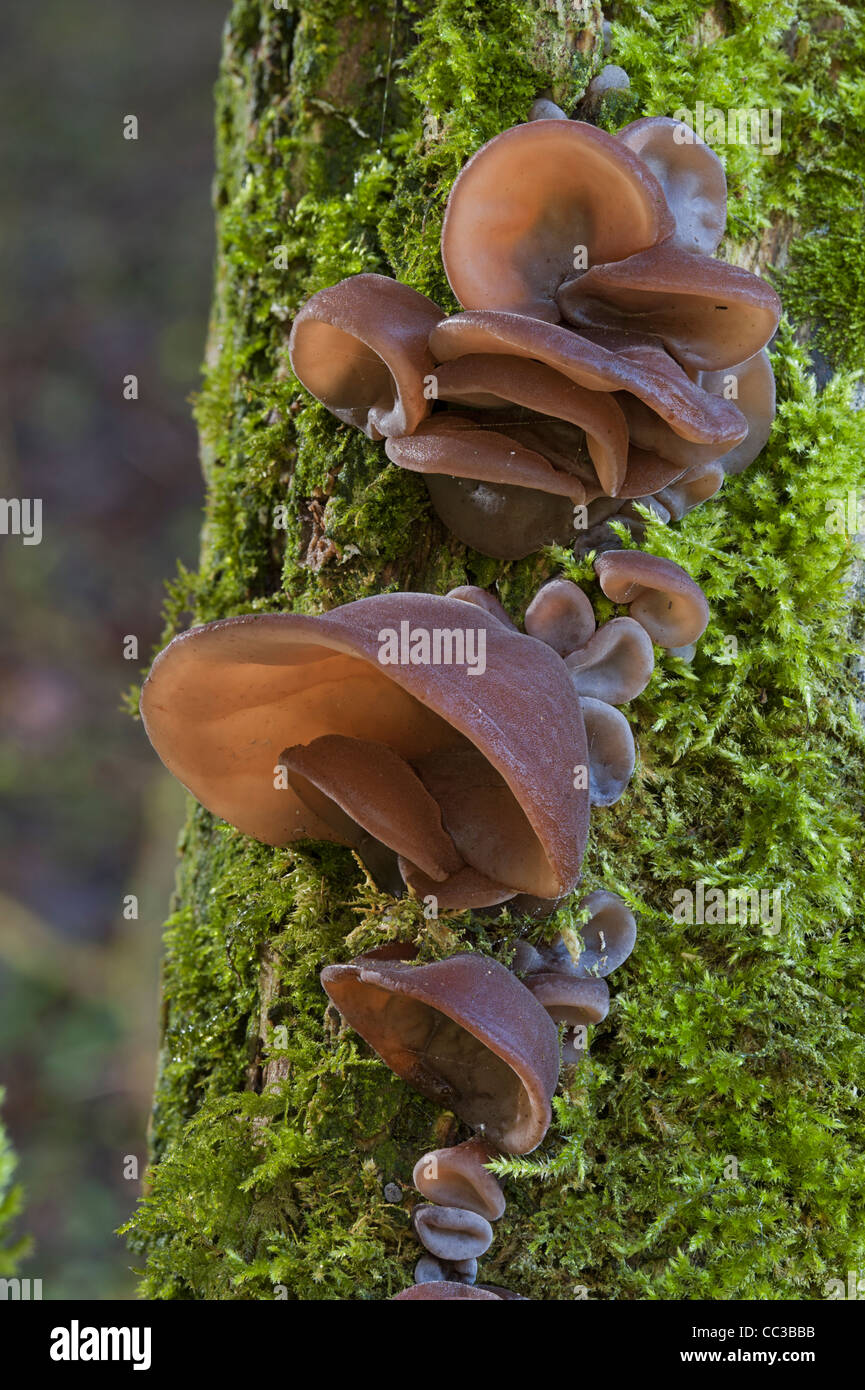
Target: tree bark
276 1135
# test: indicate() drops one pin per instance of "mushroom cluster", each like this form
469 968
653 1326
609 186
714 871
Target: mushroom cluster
466 1033
569 979
471 1036
457 756
604 355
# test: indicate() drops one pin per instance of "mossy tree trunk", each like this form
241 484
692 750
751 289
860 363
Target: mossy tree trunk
708 1147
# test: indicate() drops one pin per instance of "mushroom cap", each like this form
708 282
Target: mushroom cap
445 1289
615 664
428 1270
482 598
464 1032
646 371
223 701
452 1233
609 936
660 595
543 109
696 486
486 456
691 175
755 382
457 1177
569 999
360 347
611 751
708 314
490 379
533 193
560 615
379 791
498 519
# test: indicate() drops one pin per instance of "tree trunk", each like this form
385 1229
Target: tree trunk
277 1137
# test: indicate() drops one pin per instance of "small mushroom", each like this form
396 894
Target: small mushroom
694 487
611 78
611 751
482 598
755 398
442 1290
608 936
615 664
570 1000
572 989
464 1271
429 1270
659 594
691 175
452 1233
378 791
531 195
464 1032
360 347
457 1177
560 615
543 109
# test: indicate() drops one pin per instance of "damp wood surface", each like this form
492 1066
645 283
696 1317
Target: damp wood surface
711 1144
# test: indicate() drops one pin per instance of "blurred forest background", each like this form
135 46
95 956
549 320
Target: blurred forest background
105 270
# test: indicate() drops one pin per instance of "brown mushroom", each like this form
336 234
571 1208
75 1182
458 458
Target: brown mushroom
224 702
498 519
691 175
494 379
379 791
568 999
529 198
470 593
443 1289
458 1177
560 615
360 347
608 936
611 753
615 664
452 1233
755 398
694 487
485 456
649 373
429 1270
708 314
659 594
464 1032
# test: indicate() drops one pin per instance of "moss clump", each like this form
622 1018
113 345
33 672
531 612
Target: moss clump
710 1146
12 1249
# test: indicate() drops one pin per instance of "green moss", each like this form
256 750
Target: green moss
12 1248
273 1133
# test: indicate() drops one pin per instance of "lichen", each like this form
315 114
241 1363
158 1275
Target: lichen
728 1050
